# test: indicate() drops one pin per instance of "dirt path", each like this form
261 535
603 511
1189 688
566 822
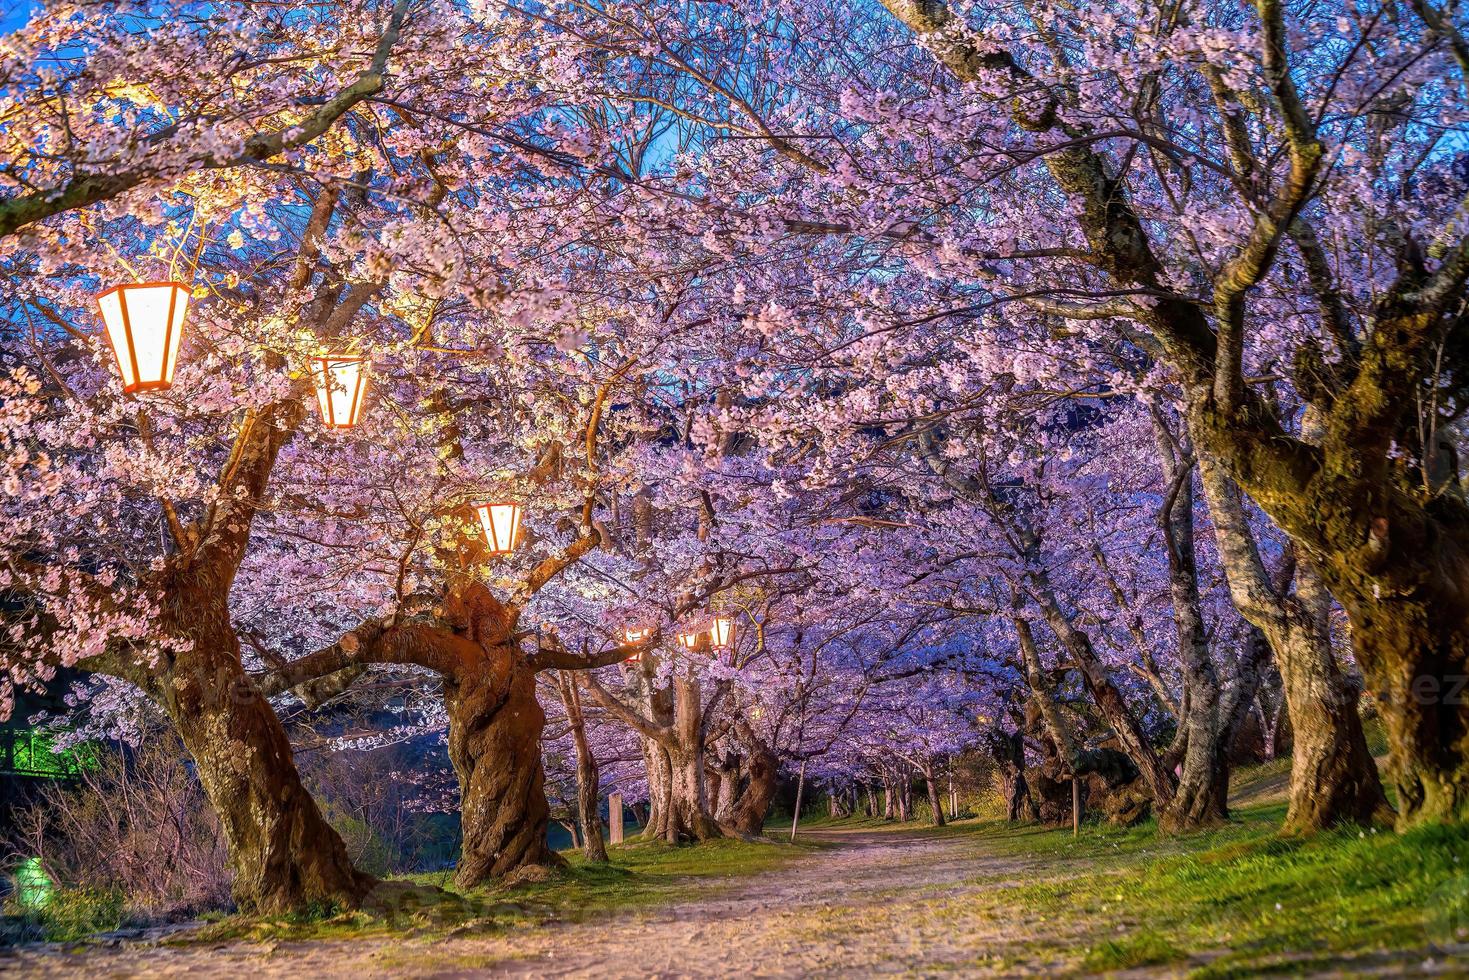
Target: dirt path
877 903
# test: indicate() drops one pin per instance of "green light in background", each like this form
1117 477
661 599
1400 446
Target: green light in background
31 753
33 886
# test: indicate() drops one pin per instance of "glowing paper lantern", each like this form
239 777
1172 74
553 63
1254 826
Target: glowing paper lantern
632 635
341 380
501 523
690 641
722 631
144 323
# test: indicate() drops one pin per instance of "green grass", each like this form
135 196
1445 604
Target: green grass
639 876
1238 899
1229 901
71 914
1145 948
1234 900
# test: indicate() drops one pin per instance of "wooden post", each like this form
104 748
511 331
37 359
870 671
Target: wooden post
1075 807
800 787
614 817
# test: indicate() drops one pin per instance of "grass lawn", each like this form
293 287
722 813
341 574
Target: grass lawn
638 876
1230 901
1242 898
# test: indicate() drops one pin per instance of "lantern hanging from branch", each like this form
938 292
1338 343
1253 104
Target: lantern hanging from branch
633 636
144 323
501 523
341 381
722 631
690 641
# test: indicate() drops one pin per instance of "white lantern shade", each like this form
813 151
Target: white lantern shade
501 523
635 635
341 382
144 323
722 631
690 641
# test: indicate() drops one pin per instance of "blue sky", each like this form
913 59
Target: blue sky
14 14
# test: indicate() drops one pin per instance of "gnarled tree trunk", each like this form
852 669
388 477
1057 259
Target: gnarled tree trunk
689 816
1105 694
495 725
1007 752
724 784
1414 653
283 853
760 770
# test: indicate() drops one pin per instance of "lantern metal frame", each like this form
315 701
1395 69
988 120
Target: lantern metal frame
173 333
499 540
324 369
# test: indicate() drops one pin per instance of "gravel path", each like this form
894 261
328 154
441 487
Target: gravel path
877 903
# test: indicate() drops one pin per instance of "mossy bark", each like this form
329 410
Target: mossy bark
1415 655
1334 779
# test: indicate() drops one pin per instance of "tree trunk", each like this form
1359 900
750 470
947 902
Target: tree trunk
1414 653
761 769
934 803
717 788
1103 690
1333 777
659 769
1201 796
283 853
657 703
588 777
1007 750
495 728
726 785
689 817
